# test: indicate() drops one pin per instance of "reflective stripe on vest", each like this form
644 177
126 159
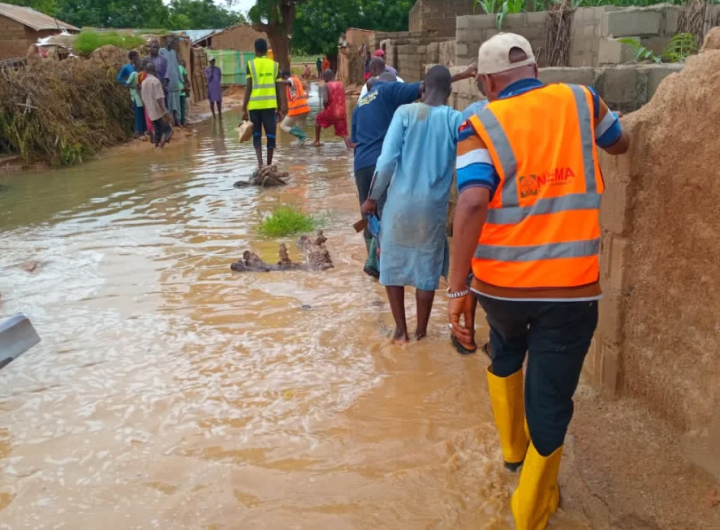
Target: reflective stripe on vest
298 105
542 227
264 95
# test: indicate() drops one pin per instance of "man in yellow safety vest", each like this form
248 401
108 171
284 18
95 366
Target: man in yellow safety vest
261 102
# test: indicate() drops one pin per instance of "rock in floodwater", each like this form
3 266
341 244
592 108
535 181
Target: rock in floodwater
266 177
317 258
29 266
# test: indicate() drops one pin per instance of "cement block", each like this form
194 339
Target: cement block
461 49
610 52
515 22
482 22
579 76
632 22
657 44
536 18
620 86
672 14
656 74
462 22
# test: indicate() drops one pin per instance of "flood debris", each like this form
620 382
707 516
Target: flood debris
317 258
265 177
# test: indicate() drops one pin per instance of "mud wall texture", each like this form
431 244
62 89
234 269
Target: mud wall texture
16 38
659 334
438 16
240 38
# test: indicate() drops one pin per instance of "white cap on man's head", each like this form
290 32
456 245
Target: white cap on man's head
494 54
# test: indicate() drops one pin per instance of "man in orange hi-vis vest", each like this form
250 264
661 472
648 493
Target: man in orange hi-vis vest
297 107
527 220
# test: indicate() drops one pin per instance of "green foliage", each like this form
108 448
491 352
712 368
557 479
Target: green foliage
680 48
179 14
319 23
500 9
201 14
88 41
287 221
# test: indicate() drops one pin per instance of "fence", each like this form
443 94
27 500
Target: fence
233 65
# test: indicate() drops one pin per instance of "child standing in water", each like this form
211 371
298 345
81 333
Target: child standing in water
416 168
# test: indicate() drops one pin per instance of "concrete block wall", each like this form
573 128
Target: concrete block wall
624 88
438 16
594 32
472 30
409 51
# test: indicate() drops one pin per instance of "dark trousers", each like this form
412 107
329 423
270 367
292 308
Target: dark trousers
182 110
556 337
363 180
140 126
264 119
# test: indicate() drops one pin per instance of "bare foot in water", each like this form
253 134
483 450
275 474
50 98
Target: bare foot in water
317 144
420 335
400 337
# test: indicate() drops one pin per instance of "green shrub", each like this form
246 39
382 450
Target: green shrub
88 41
286 221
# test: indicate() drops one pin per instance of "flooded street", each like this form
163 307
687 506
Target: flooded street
172 393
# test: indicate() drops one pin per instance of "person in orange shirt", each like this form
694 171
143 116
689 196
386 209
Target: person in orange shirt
527 222
325 64
298 108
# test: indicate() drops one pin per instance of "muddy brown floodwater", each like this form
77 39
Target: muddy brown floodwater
172 393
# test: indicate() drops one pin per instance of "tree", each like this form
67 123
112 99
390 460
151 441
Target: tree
319 23
276 19
148 14
201 14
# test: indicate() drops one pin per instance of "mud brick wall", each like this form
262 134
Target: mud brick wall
15 38
438 16
240 38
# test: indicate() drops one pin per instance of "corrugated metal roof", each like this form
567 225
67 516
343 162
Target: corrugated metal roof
198 34
33 19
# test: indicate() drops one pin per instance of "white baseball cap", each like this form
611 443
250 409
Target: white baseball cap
494 54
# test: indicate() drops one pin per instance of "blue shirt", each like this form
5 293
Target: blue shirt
481 172
474 108
124 73
372 116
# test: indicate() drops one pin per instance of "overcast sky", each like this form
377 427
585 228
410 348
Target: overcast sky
240 5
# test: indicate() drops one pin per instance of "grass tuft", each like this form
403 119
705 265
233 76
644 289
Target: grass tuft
88 41
286 221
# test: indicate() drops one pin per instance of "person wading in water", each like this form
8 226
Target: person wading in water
527 221
261 102
334 111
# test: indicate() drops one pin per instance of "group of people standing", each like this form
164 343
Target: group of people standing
159 88
262 104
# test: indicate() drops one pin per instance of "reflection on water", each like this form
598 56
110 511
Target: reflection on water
169 392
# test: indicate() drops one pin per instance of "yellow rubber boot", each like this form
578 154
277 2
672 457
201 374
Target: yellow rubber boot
508 405
537 495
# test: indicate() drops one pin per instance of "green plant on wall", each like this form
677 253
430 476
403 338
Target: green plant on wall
680 48
500 10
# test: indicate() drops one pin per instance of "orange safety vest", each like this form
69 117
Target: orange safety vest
542 227
297 102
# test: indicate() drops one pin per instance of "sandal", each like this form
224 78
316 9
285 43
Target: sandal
462 350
